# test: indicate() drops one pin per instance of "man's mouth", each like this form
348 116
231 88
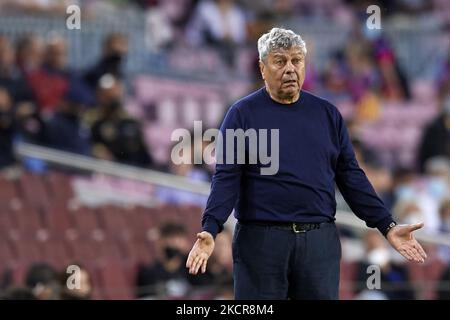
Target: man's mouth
290 82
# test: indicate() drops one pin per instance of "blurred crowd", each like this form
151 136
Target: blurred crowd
164 278
44 101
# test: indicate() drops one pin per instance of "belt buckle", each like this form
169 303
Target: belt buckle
294 227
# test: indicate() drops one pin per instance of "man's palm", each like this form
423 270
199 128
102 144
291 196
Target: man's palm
200 253
401 238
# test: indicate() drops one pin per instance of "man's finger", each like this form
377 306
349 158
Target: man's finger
189 260
420 249
204 266
198 265
410 253
414 227
193 265
406 254
416 255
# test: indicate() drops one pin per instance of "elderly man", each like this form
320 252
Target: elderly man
286 244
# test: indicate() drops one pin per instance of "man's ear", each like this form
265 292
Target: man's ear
261 68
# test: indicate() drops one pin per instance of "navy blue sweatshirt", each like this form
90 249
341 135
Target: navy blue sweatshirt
315 153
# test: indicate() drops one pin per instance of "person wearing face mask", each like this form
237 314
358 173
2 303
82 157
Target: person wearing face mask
115 49
407 211
394 278
166 277
115 135
65 129
408 189
438 172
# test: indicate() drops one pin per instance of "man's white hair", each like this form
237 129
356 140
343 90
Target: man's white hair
279 38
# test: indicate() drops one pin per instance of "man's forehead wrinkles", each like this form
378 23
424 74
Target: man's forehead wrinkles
286 53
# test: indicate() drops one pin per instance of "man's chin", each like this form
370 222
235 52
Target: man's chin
289 92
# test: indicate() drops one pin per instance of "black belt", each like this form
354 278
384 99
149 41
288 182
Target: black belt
297 227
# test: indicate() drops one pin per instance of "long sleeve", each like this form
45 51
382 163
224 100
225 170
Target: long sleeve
225 182
355 186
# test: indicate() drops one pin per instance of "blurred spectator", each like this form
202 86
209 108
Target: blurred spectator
395 282
29 124
6 129
29 53
335 79
65 130
167 277
18 293
115 49
436 136
220 23
43 281
443 290
10 76
444 213
262 8
116 136
36 6
166 21
188 169
394 82
84 292
51 82
408 212
407 187
437 170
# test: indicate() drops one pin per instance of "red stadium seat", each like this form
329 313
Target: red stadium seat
8 191
347 277
35 190
115 281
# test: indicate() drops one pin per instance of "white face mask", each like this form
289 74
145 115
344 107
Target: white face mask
405 192
378 256
437 187
413 217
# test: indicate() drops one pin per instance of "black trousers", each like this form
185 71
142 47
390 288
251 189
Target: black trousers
272 263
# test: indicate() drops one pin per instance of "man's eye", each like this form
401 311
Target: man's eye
278 62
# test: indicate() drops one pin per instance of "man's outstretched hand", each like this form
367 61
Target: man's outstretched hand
401 238
200 253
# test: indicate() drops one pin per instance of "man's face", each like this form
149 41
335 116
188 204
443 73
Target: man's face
284 72
57 54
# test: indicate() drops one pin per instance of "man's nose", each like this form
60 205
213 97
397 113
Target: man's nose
289 67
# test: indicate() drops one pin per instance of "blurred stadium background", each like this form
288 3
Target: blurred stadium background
86 118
